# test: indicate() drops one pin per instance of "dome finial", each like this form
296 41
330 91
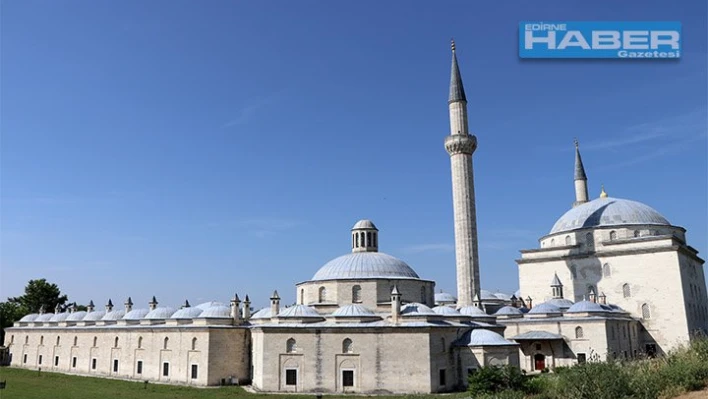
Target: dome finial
603 194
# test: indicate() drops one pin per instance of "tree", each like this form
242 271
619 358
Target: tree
9 313
40 293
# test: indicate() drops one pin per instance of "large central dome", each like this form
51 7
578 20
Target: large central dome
362 265
608 212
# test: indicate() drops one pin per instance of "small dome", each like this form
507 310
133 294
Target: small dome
543 308
415 309
207 305
29 317
262 314
364 224
353 310
562 303
482 337
160 313
216 312
298 311
485 295
446 311
362 265
508 311
586 306
473 311
60 316
93 316
114 315
136 314
608 212
44 317
187 313
444 297
76 316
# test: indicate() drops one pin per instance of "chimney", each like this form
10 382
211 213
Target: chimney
395 305
153 303
235 304
128 305
109 306
90 306
246 308
514 301
72 308
592 296
603 298
274 304
529 302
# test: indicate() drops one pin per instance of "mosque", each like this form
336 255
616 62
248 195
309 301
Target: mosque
612 279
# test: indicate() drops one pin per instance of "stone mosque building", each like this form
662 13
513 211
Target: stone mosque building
612 279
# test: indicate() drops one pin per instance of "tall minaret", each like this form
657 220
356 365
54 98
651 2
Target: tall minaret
460 145
581 180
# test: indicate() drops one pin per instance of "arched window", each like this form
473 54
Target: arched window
578 332
58 340
626 291
302 296
613 235
646 312
423 295
606 272
76 341
636 233
589 240
194 343
115 343
443 347
26 339
41 340
567 240
376 244
322 294
347 346
368 239
291 346
356 238
553 241
356 294
164 343
140 342
95 341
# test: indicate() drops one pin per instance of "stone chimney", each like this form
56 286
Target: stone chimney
246 308
603 298
395 305
514 301
128 305
72 308
235 310
90 306
109 306
529 302
592 296
274 304
153 303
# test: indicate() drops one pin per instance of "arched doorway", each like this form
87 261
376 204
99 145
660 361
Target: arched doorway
539 362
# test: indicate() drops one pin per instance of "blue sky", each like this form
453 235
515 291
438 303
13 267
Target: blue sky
188 150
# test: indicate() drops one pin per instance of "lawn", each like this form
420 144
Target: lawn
27 384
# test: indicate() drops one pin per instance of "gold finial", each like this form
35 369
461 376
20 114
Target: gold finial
575 141
452 44
603 194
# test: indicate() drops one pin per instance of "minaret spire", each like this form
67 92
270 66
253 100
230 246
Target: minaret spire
461 145
581 179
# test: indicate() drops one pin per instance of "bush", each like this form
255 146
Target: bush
496 379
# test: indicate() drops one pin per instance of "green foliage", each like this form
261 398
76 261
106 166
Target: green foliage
9 313
39 293
496 379
502 395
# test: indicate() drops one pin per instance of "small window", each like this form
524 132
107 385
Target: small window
348 378
95 341
636 233
39 361
626 291
589 240
115 343
302 297
613 235
73 362
368 239
140 342
41 340
115 365
24 358
581 358
291 377
56 360
567 240
165 369
443 347
578 332
26 339
139 367
356 294
646 312
322 294
538 347
347 346
194 343
606 271
376 243
93 364
165 342
291 346
195 370
76 341
58 340
443 380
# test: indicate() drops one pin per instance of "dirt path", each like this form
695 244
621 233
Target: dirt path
694 395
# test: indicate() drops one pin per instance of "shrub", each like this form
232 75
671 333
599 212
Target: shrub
495 379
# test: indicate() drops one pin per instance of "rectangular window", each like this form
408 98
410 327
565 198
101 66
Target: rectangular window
115 365
165 369
195 369
24 358
348 378
56 360
581 358
443 381
291 377
139 367
93 364
39 361
73 362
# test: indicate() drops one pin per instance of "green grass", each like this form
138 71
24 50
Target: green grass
28 384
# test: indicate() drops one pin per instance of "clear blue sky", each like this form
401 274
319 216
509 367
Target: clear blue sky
192 149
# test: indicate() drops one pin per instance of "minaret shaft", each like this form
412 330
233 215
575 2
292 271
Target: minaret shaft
461 145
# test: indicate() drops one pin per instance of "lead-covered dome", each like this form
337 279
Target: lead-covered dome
608 212
361 265
29 317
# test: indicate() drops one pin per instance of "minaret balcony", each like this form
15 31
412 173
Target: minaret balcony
460 144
